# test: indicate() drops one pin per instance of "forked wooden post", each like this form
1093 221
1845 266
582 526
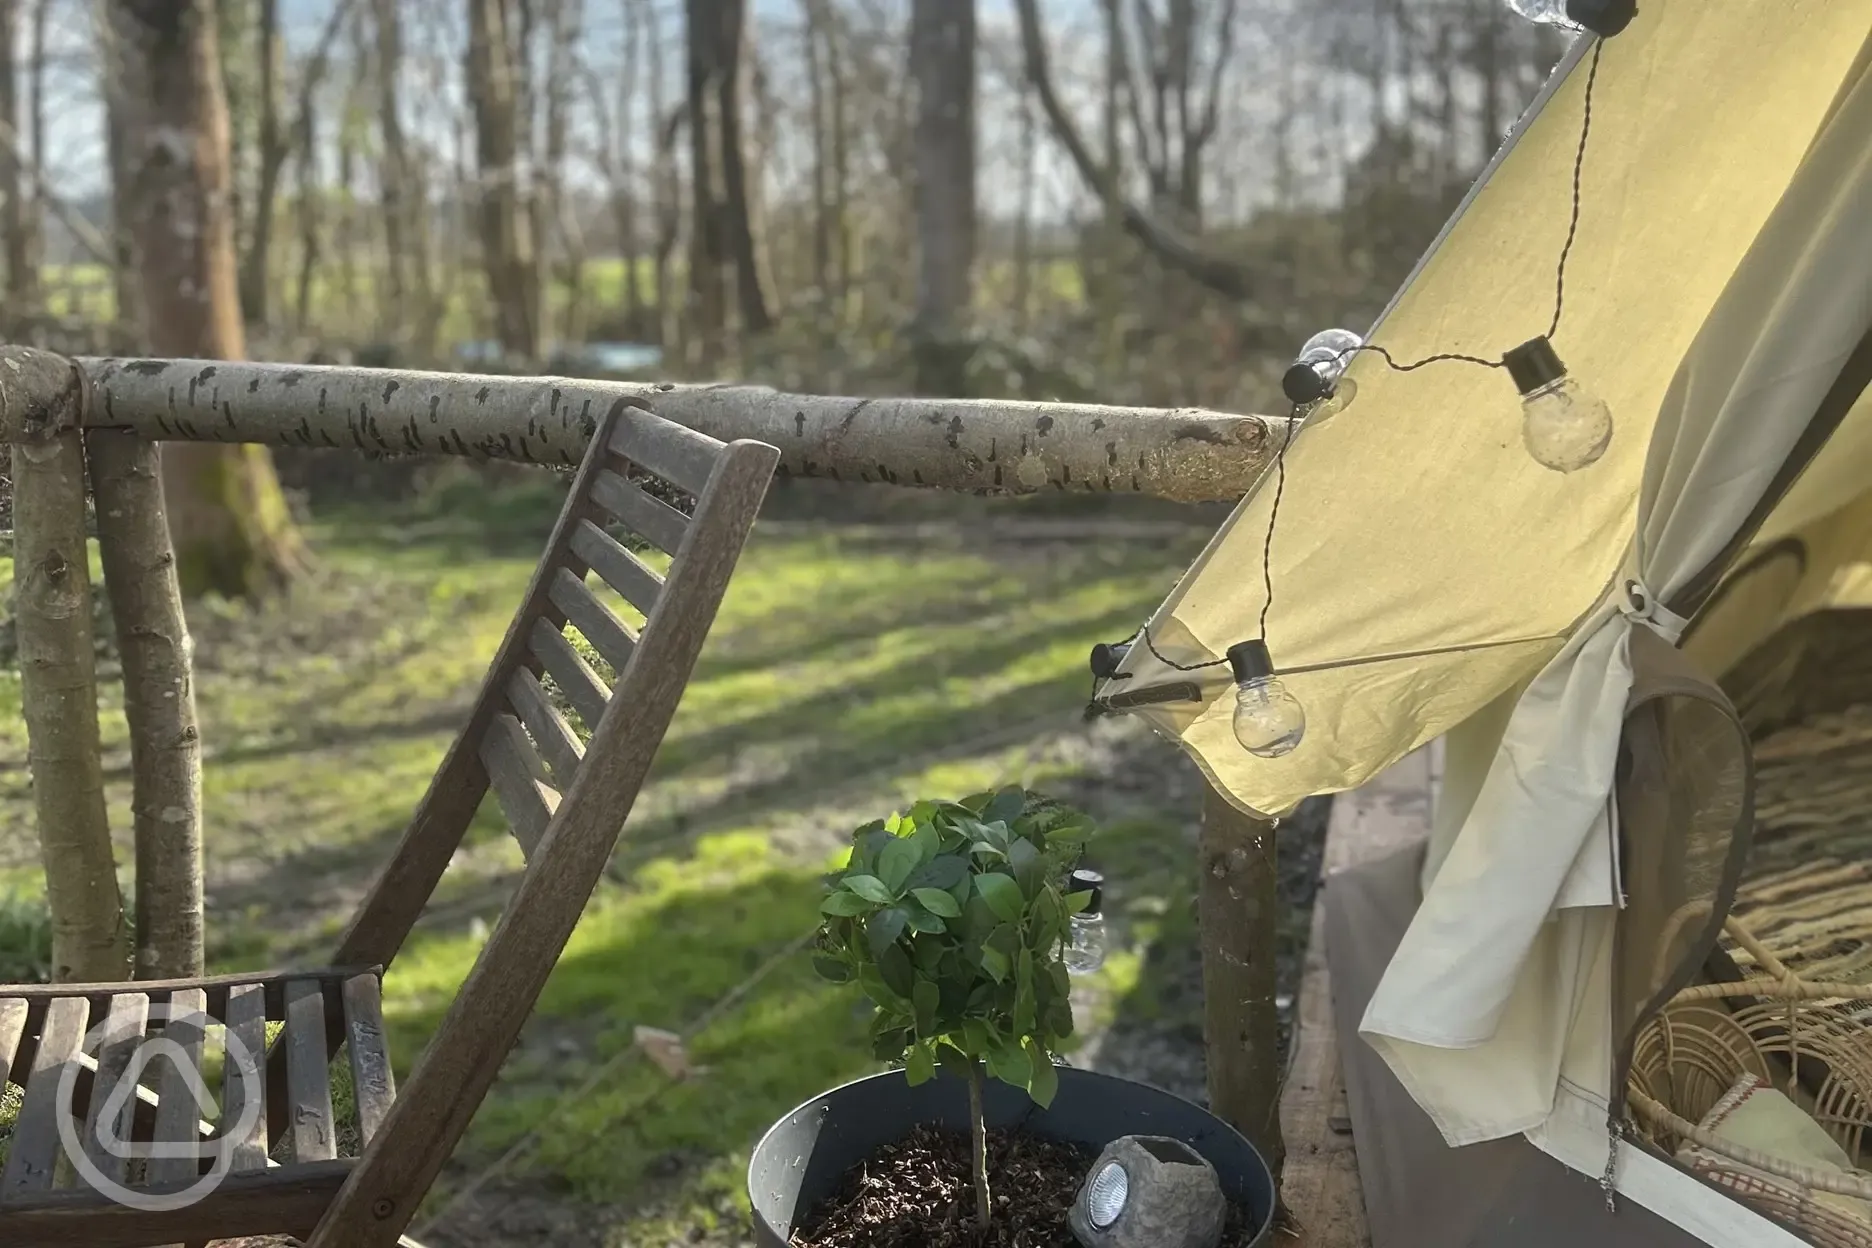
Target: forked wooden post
1238 908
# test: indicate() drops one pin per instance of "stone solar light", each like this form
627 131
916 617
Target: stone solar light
1149 1191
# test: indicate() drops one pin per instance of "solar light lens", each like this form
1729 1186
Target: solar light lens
1111 1187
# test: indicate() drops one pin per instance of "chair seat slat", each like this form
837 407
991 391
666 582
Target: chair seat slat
308 1073
621 570
178 1111
34 1148
677 453
110 1116
607 634
557 742
573 674
371 1077
649 517
243 1081
519 780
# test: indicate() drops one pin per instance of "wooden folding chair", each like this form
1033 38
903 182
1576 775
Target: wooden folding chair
566 803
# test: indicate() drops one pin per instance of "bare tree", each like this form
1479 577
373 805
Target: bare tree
274 146
942 65
496 45
721 245
227 516
15 214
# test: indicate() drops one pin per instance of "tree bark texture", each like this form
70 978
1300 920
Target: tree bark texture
942 67
274 146
1238 911
15 236
1185 454
58 673
508 247
228 518
159 701
721 238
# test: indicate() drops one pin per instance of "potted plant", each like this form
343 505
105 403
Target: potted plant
951 917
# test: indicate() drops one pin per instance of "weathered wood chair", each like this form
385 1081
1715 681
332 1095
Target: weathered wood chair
566 804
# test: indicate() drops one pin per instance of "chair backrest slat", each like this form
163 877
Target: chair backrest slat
617 567
519 780
558 744
563 867
674 452
610 637
649 517
569 670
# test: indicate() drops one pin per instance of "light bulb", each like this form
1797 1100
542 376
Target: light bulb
1105 1199
1269 721
1564 427
1604 18
1315 376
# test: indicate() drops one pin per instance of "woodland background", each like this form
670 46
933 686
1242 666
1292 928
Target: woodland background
1124 201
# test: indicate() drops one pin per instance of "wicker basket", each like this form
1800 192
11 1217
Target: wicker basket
1693 1055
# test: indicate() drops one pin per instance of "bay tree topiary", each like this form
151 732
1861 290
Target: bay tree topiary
952 918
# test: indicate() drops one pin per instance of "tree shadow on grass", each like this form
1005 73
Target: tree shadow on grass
711 939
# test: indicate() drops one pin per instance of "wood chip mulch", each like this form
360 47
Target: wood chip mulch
918 1193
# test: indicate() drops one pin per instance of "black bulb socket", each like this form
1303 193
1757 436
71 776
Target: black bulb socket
1086 880
1604 18
1302 384
1249 660
1534 364
1106 656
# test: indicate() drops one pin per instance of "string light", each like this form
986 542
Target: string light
1604 18
1269 721
1564 427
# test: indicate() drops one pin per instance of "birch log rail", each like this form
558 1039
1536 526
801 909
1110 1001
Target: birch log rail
983 446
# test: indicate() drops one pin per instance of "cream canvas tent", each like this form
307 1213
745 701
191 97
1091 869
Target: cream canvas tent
1432 581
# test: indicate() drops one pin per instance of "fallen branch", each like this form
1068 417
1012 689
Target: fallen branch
980 446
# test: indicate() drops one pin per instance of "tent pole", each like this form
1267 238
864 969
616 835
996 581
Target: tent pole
1238 908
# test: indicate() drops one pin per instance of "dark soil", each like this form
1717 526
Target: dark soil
918 1193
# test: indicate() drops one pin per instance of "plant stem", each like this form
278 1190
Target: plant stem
978 1128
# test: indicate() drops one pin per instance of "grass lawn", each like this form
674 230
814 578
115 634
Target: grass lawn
850 671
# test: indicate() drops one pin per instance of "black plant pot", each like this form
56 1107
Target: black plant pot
801 1159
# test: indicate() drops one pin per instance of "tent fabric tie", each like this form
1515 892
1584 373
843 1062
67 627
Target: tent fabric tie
1641 606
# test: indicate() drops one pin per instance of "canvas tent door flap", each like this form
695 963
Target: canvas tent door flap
1431 580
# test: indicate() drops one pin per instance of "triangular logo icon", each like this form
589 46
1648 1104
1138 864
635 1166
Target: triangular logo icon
112 1113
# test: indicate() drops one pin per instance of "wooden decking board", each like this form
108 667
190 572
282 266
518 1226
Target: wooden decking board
1320 1186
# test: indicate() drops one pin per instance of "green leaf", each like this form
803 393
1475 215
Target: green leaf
919 1066
1024 992
943 872
894 966
844 905
936 901
1077 902
1043 1079
955 1061
922 920
927 998
832 969
1001 893
1006 806
881 993
883 929
927 842
1043 923
986 850
889 1045
1009 1064
870 888
1029 867
895 863
995 963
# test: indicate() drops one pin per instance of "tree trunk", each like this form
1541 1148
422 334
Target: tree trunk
942 66
14 212
978 1149
58 675
507 240
721 240
275 147
227 516
159 701
127 318
1238 909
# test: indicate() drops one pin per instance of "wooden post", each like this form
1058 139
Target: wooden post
1238 906
159 701
39 414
